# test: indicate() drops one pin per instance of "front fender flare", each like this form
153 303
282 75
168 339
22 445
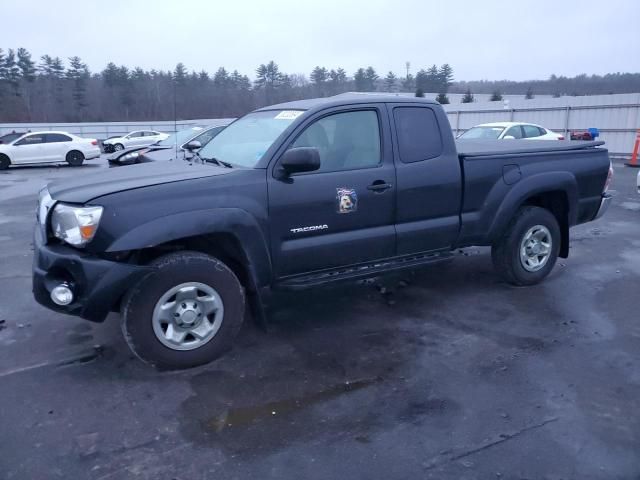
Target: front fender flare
234 221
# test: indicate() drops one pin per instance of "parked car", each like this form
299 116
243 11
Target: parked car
295 196
10 137
510 131
174 146
139 138
48 147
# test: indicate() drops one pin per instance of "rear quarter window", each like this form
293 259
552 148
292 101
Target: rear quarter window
418 134
57 137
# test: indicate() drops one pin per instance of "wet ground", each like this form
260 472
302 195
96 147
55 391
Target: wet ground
448 373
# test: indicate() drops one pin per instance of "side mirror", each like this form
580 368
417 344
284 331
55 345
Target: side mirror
193 145
508 137
298 160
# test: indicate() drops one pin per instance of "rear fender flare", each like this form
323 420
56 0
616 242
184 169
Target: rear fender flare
530 187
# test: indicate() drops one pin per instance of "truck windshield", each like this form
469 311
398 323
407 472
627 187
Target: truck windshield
482 132
245 141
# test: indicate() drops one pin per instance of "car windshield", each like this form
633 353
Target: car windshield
482 133
245 141
10 137
182 136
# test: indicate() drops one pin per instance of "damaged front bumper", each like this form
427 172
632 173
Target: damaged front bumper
97 284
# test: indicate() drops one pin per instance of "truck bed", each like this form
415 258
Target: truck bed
481 148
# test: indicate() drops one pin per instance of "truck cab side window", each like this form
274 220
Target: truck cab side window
346 141
418 134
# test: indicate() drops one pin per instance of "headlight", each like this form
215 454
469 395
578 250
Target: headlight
75 225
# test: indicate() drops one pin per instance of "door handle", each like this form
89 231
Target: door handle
379 186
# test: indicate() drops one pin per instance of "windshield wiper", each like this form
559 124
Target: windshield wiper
216 161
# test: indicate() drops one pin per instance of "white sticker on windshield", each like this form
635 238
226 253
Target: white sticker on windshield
288 115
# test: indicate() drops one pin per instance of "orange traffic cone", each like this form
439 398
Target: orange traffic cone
634 156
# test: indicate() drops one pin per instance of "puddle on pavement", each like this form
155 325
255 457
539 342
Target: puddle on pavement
633 206
241 416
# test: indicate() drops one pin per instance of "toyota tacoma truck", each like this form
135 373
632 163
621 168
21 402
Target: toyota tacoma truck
295 196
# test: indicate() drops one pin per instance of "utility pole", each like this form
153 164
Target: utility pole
407 65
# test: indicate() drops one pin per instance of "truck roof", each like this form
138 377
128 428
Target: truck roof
346 99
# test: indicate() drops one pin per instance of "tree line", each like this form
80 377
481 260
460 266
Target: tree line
51 89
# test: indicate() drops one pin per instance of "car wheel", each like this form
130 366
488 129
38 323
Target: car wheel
185 313
118 146
75 158
528 250
4 162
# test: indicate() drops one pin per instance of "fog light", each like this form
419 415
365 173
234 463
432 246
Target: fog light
62 295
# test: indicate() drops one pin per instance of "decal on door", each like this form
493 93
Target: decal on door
311 228
347 200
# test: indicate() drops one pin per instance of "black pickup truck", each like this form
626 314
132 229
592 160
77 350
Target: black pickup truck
299 195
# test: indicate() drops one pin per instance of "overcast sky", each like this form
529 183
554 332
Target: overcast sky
490 39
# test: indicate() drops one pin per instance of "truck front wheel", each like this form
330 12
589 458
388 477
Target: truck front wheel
185 313
528 250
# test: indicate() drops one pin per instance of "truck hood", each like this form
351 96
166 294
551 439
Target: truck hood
87 187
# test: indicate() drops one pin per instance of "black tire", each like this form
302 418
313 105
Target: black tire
75 158
4 162
506 251
117 147
172 270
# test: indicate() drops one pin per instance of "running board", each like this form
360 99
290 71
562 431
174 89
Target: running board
360 271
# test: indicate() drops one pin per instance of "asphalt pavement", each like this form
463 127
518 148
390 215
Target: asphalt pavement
446 373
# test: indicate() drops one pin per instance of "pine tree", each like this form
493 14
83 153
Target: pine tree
408 83
270 79
360 80
529 95
445 75
78 73
419 93
45 65
496 96
12 70
337 80
3 67
442 98
390 82
57 67
26 65
371 77
221 78
180 75
468 97
319 77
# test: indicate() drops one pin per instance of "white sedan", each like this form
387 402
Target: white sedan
139 138
510 131
48 147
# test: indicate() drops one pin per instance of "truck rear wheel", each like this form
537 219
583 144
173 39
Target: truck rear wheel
528 250
185 313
